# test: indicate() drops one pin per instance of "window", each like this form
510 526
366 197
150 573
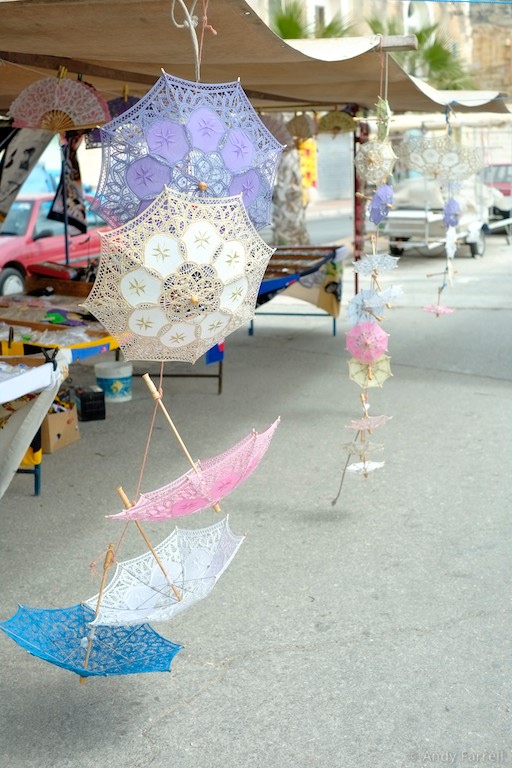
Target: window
16 221
319 17
44 224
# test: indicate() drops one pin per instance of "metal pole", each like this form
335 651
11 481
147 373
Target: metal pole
64 146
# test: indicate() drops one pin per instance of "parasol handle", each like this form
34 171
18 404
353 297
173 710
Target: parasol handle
127 503
109 559
157 396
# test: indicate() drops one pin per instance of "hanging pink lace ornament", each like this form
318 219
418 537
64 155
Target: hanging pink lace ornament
438 309
58 104
214 479
367 341
368 423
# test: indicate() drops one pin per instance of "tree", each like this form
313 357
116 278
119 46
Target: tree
289 21
434 61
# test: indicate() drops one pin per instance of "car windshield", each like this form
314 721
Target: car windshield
493 174
16 221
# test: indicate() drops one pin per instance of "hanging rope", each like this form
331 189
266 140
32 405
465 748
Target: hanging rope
190 22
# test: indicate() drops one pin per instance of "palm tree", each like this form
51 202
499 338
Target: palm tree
434 61
289 22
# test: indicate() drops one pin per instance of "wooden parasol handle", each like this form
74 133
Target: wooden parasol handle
158 397
127 503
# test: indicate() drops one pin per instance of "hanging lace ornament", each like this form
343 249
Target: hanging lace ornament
279 131
440 157
383 112
336 122
302 126
451 213
381 203
375 161
58 104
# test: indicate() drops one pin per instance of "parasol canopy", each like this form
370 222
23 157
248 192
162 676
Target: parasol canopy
365 467
362 448
367 306
116 107
367 341
451 212
440 157
179 278
375 161
372 264
62 637
381 203
370 374
202 139
141 591
368 423
438 309
204 487
58 104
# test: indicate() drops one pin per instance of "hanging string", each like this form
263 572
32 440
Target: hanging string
205 26
190 22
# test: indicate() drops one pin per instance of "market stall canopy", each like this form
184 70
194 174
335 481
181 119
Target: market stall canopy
122 45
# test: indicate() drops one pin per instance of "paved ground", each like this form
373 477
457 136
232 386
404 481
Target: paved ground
374 633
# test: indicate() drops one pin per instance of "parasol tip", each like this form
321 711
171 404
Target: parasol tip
194 299
203 186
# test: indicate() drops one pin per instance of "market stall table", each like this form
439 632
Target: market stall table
28 386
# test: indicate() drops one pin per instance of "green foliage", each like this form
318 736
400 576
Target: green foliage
289 22
335 28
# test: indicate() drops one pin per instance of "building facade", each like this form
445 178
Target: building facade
480 34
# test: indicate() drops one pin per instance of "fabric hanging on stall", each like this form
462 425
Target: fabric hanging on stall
22 148
71 182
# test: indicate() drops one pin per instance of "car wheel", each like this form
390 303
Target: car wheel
478 248
11 281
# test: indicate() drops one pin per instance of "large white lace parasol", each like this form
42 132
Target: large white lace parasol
179 278
146 589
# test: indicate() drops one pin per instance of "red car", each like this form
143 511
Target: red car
499 177
28 236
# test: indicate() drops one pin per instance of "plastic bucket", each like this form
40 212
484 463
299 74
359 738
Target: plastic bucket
115 379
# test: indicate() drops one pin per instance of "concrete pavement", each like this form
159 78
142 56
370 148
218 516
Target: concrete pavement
374 633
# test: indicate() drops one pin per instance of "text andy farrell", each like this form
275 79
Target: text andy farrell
466 756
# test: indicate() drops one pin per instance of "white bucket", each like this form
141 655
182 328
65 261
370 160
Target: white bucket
115 379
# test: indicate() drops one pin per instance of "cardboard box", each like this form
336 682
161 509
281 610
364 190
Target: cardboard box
59 429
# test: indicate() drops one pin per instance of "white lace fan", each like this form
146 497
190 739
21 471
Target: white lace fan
58 104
